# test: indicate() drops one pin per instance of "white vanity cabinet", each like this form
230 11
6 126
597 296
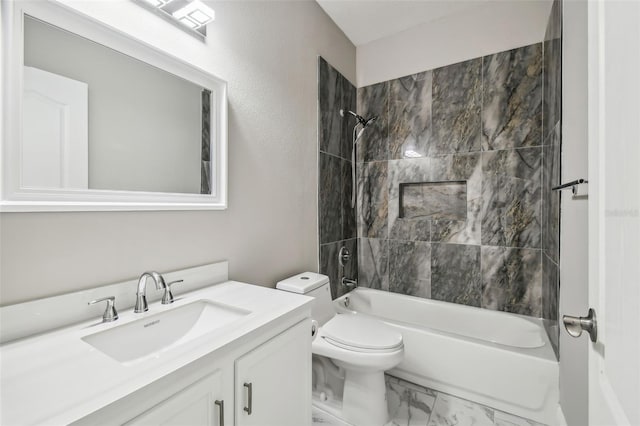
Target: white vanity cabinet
202 403
272 380
264 385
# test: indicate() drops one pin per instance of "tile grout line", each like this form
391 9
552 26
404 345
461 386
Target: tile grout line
481 290
388 156
543 221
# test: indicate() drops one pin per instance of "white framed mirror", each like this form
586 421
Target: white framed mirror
94 119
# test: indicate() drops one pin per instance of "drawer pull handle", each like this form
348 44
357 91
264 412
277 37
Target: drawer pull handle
249 387
220 404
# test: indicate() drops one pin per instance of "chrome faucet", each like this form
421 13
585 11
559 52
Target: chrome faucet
141 295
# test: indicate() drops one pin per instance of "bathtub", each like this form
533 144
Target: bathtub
495 358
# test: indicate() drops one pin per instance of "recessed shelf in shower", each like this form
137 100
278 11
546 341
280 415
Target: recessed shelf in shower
433 200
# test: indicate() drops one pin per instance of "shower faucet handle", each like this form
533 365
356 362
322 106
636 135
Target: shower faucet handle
349 283
344 256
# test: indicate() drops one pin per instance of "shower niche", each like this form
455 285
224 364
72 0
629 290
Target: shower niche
433 200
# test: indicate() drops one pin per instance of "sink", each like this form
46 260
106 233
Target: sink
169 329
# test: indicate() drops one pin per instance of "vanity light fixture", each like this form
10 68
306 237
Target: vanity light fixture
195 14
192 15
156 3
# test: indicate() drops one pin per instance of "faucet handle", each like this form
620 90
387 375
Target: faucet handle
110 313
168 296
349 283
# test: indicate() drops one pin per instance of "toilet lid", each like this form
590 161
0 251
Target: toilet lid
360 332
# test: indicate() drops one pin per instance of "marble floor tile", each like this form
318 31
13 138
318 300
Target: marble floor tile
413 405
396 422
322 418
397 402
450 410
421 406
504 419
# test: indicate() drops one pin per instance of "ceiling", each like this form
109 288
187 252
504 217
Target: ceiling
364 21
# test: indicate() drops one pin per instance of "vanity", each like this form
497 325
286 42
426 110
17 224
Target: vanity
228 353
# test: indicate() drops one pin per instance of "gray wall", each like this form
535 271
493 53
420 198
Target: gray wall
337 219
478 123
268 53
142 120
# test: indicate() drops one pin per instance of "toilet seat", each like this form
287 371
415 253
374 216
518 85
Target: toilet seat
357 333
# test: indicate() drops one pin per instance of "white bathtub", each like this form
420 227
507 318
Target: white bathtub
498 359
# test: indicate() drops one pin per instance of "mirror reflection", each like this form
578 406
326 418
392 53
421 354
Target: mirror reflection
95 118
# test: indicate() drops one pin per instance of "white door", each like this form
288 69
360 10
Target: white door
614 211
55 148
273 381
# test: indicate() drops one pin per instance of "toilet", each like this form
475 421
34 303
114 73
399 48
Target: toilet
349 347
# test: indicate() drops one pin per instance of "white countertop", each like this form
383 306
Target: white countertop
57 378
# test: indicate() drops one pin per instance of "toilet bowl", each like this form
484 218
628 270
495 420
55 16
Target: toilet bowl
363 347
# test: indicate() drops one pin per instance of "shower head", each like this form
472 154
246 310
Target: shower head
361 120
370 120
356 135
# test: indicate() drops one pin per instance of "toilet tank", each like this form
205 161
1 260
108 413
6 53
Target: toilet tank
313 285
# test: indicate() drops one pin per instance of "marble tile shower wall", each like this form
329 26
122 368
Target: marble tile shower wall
551 149
477 123
337 219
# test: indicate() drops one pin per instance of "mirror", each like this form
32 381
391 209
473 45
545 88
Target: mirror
128 126
105 119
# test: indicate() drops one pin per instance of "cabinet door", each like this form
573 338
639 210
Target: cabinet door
273 381
195 405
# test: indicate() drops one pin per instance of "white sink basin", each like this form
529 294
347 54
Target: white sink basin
162 331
